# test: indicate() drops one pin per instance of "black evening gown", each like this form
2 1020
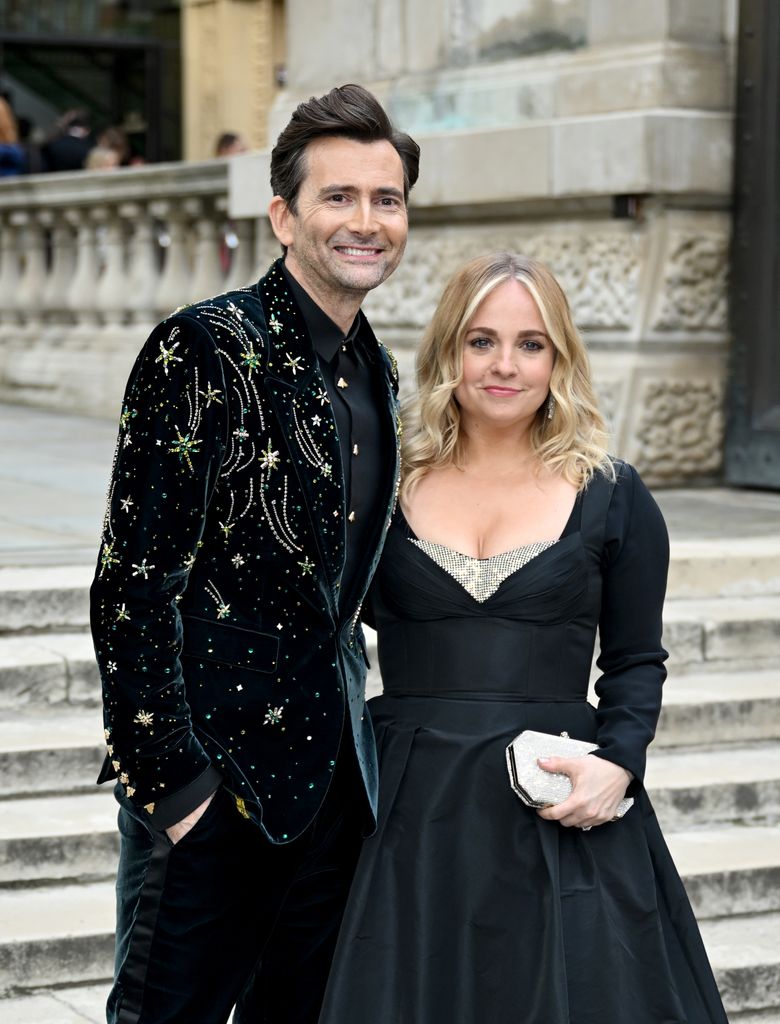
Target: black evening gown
467 907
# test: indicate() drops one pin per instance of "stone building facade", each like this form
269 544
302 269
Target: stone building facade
595 134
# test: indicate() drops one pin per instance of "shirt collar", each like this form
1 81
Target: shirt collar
326 335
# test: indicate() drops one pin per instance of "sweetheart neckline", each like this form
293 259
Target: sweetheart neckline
501 554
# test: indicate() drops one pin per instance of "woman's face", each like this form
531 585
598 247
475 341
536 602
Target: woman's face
507 361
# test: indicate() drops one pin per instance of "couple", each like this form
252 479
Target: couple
254 489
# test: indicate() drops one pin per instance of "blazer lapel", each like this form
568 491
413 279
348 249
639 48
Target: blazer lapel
298 394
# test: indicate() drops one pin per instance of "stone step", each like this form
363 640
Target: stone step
717 632
727 707
727 784
65 837
724 567
56 935
50 668
55 750
728 871
73 1004
745 956
45 598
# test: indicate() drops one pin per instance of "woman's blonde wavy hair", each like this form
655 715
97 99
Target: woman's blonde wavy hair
573 442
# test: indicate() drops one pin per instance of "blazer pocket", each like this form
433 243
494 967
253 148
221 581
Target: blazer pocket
229 645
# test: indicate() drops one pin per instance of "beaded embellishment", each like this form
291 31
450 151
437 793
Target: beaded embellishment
481 577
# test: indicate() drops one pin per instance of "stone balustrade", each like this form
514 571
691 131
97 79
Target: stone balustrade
89 261
120 248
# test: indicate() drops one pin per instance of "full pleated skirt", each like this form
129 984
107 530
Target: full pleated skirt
468 908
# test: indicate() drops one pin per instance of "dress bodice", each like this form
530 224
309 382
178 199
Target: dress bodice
524 628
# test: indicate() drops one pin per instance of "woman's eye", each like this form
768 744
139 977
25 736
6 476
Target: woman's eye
480 342
532 346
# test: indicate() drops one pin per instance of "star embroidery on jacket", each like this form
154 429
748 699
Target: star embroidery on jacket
322 396
166 356
236 311
274 324
107 557
144 718
184 446
250 358
111 666
273 716
211 395
142 569
127 415
316 420
269 459
293 363
223 611
122 614
126 503
237 561
241 433
189 561
226 528
306 566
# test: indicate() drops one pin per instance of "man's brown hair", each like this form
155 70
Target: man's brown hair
349 111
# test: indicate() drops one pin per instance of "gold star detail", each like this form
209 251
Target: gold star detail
144 718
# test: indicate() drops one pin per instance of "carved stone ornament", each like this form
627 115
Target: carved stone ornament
694 292
680 433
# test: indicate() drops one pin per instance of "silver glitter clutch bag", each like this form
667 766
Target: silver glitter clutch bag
535 786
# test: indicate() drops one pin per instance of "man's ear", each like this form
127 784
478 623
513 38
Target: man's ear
280 216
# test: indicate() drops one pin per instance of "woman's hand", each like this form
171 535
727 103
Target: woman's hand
598 786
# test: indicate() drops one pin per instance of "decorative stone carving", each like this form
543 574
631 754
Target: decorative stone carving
694 289
680 432
599 271
609 394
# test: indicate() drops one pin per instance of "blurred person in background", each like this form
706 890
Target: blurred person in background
68 146
230 144
115 140
12 160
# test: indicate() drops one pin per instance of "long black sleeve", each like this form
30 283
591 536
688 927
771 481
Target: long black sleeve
635 566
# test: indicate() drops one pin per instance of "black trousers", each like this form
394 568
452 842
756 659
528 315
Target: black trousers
225 910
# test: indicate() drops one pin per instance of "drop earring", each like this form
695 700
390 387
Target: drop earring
550 406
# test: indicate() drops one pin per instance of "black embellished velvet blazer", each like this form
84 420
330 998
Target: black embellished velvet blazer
215 613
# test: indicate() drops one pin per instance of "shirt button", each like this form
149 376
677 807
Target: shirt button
355 450
351 517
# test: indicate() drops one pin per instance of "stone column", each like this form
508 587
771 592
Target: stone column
112 292
230 50
30 288
207 276
63 262
144 258
10 267
81 297
174 285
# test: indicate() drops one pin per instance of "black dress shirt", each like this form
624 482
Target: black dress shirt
349 366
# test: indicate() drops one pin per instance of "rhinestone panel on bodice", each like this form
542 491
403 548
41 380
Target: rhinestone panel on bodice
481 577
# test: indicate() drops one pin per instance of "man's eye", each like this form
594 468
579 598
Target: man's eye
338 197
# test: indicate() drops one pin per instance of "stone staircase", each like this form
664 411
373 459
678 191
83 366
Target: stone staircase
714 777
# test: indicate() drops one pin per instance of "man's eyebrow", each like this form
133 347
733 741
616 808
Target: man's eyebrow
382 190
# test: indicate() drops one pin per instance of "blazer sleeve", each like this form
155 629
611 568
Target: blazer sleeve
171 442
634 571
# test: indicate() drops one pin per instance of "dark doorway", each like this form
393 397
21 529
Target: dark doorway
118 60
753 434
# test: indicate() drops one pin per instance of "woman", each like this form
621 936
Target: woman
516 537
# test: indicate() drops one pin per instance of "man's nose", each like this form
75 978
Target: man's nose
363 218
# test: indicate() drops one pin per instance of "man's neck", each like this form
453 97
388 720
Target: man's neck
341 307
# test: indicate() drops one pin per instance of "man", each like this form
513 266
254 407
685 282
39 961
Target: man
252 487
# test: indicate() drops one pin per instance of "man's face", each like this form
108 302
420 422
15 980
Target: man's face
349 229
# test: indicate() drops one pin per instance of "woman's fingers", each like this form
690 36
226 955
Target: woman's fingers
598 786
